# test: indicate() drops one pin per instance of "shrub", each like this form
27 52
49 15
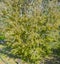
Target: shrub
30 37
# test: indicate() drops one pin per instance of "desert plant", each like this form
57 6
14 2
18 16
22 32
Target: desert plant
30 37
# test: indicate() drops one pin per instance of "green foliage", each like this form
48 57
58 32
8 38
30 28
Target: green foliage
2 37
31 37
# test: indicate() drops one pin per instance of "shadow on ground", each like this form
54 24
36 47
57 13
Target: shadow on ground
54 60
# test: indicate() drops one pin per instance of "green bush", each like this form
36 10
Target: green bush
31 37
